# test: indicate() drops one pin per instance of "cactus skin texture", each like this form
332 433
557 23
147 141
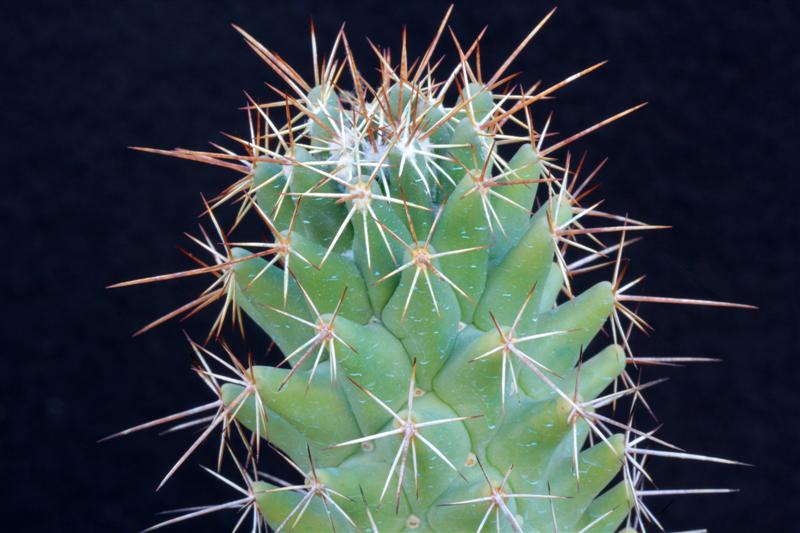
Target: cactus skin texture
442 371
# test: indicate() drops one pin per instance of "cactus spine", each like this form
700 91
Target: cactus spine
437 371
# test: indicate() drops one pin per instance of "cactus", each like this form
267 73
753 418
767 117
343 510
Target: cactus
421 281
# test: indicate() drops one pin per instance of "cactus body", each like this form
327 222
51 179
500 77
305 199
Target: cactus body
441 371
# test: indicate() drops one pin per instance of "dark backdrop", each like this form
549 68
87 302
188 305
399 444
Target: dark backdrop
712 154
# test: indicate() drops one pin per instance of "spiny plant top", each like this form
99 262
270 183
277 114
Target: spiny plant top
424 299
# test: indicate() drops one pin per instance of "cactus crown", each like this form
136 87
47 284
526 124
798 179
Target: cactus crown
434 374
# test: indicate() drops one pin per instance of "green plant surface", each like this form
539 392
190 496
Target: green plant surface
449 363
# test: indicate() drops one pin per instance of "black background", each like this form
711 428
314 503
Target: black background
713 155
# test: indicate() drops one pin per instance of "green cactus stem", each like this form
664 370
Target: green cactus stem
445 365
